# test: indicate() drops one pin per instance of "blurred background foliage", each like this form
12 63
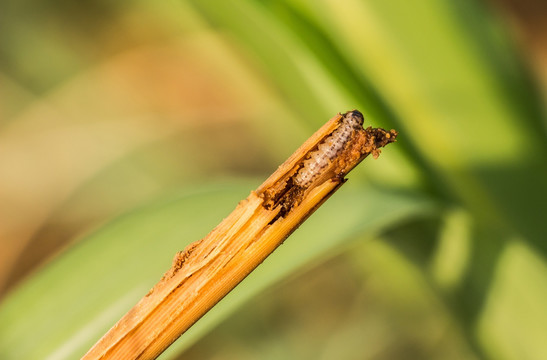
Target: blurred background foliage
129 129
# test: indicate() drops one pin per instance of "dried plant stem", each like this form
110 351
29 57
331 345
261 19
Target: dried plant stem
208 269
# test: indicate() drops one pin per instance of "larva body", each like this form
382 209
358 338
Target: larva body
318 161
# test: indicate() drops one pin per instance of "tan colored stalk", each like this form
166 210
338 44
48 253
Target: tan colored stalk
208 269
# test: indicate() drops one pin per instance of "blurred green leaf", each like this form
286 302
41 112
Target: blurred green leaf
516 302
92 285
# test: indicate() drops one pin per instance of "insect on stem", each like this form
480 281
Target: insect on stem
331 158
208 269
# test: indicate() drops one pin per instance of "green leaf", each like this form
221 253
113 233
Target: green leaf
516 302
70 303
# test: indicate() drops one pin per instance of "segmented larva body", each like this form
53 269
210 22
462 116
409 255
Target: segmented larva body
329 149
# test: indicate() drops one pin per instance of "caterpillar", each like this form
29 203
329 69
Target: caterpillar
317 161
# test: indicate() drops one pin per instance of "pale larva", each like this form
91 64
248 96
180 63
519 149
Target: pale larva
328 149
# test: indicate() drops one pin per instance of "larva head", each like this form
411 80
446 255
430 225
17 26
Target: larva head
354 117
